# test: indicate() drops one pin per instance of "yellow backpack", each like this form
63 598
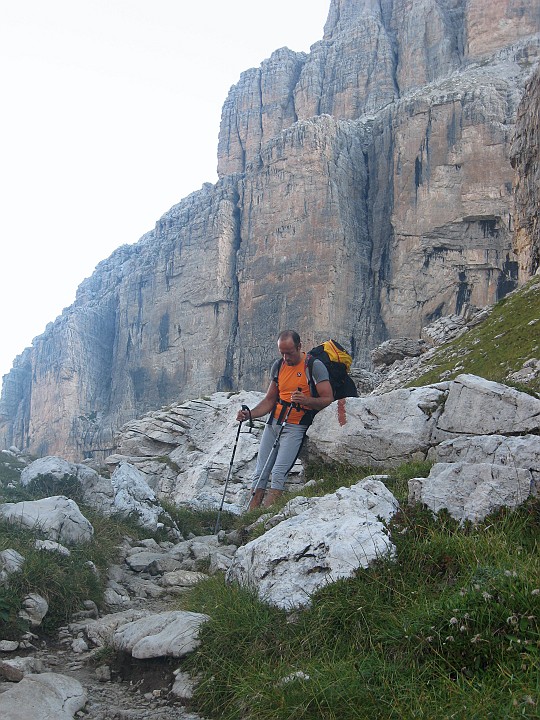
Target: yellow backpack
338 362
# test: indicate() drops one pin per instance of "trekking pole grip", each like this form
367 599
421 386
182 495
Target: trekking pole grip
245 407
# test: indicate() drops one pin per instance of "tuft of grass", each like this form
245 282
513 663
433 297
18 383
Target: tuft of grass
498 346
330 478
199 522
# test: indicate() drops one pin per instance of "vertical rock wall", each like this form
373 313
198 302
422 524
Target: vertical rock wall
526 161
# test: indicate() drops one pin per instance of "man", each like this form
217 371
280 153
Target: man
289 386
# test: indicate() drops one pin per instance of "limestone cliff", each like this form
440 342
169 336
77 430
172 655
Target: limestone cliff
526 161
364 190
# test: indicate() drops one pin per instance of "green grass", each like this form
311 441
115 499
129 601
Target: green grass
10 469
498 346
199 522
449 629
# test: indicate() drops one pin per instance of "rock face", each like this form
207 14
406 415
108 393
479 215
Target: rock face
526 161
381 157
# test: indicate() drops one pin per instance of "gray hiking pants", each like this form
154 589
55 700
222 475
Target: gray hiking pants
283 457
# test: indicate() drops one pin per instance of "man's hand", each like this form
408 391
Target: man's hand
242 415
298 398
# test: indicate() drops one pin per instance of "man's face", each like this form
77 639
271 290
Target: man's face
289 352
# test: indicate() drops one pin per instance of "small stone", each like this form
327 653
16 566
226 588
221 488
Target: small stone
8 645
103 673
79 645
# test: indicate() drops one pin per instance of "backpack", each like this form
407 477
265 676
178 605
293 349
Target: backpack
337 361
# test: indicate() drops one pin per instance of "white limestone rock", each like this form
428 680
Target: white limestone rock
140 561
471 491
378 430
10 562
115 598
51 546
183 687
476 406
181 578
34 609
133 495
197 439
521 451
165 634
79 645
97 491
58 517
99 631
52 466
396 349
8 645
14 669
47 696
331 539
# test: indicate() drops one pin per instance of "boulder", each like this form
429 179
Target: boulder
47 696
471 491
165 634
34 609
514 452
133 495
378 430
100 631
331 539
185 450
396 349
10 562
16 668
96 491
51 466
57 517
476 406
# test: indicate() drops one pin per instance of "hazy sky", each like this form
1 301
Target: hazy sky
110 114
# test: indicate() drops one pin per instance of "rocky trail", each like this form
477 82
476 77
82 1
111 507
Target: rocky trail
117 685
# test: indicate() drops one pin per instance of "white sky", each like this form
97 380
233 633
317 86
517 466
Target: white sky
110 114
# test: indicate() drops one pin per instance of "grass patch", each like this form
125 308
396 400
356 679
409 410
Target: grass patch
449 629
10 469
498 346
199 522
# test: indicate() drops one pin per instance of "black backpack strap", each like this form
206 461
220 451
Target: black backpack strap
308 366
275 378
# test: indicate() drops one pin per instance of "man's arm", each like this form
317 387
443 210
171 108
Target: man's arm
266 404
326 396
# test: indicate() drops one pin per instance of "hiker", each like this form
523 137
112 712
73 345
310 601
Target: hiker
288 387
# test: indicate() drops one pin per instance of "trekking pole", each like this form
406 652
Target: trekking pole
275 444
218 519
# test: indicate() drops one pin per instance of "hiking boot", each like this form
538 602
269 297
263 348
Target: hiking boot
256 500
271 497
